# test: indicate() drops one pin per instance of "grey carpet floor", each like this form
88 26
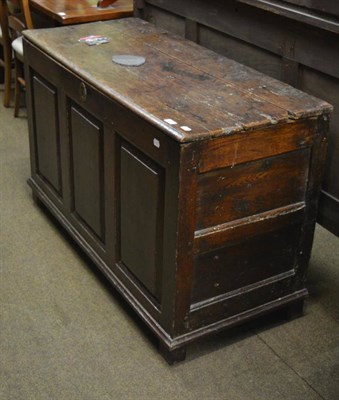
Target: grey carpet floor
65 334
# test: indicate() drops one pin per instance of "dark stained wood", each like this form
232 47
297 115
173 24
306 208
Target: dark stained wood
86 136
329 216
2 70
68 12
251 146
251 188
191 31
313 82
5 54
302 14
244 261
215 237
223 311
47 133
191 181
279 38
172 356
207 92
233 20
185 238
325 6
141 218
295 310
317 165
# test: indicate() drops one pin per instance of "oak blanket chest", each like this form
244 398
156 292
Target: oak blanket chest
191 180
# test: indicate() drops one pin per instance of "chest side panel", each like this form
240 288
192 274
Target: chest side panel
250 208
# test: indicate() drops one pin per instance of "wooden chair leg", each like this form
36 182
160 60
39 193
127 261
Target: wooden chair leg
7 75
7 85
17 88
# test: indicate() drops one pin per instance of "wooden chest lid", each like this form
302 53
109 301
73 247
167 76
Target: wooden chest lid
189 92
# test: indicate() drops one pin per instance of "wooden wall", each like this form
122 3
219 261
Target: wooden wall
296 41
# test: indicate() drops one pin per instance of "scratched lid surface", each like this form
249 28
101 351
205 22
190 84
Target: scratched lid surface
189 92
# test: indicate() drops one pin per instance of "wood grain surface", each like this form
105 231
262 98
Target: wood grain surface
191 181
198 89
66 12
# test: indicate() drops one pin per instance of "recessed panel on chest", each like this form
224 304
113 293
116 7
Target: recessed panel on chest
86 136
142 184
47 133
